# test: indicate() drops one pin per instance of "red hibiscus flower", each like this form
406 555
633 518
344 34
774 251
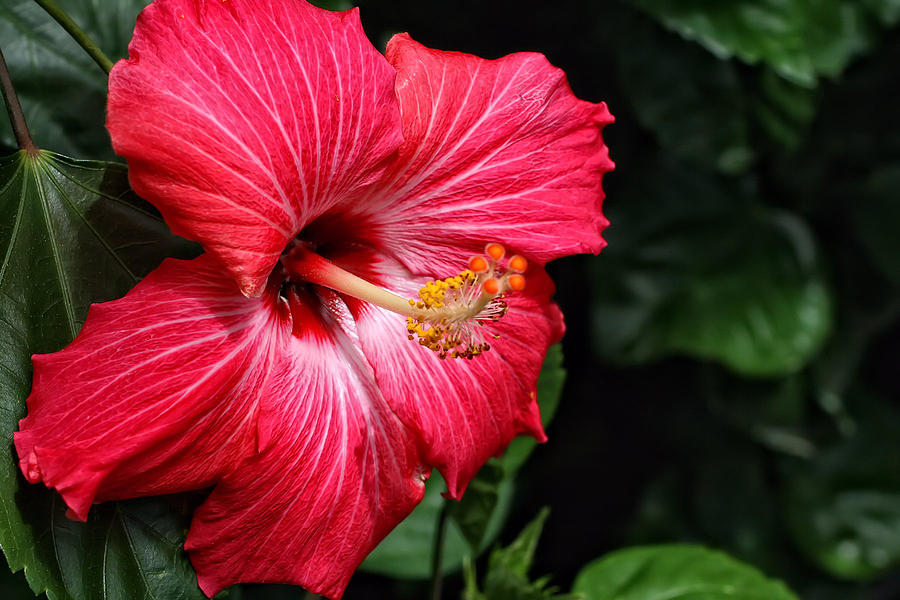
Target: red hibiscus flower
286 368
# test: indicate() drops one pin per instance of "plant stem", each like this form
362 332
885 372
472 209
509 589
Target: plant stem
437 553
16 116
77 34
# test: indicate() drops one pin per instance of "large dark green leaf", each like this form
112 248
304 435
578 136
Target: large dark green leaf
843 507
887 11
696 266
857 133
72 233
771 412
704 110
475 511
675 572
406 552
692 101
782 110
801 40
63 92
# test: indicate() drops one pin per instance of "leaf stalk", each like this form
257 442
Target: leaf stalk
77 33
437 555
14 108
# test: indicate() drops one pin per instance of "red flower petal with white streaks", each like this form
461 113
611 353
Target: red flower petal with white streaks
493 150
185 384
338 473
259 126
243 120
158 393
465 411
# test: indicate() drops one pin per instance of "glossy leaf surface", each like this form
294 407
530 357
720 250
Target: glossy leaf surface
843 506
753 297
47 66
675 572
73 233
801 40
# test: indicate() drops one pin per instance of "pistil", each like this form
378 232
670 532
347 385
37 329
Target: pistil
308 266
449 315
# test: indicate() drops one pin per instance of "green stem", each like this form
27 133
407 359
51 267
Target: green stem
16 116
437 553
77 34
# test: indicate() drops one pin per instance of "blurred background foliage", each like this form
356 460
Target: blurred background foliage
732 356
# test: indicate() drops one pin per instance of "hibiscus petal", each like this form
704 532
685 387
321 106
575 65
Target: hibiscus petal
157 394
243 120
494 150
338 473
465 411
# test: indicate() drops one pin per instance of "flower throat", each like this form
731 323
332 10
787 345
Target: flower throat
449 315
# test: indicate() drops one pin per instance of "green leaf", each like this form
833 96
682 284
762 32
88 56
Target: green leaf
771 412
130 549
704 110
695 266
406 553
516 558
783 110
689 99
843 507
549 390
507 576
474 512
73 233
477 519
63 92
675 572
857 132
801 40
887 11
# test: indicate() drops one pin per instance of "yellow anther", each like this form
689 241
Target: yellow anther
452 312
